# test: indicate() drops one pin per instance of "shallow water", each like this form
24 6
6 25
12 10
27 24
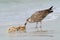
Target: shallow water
15 12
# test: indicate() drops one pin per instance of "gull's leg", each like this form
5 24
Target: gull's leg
40 25
36 24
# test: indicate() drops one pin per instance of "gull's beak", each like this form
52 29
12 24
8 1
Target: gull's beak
25 24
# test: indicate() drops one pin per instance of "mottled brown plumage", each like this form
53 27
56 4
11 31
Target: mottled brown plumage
38 16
